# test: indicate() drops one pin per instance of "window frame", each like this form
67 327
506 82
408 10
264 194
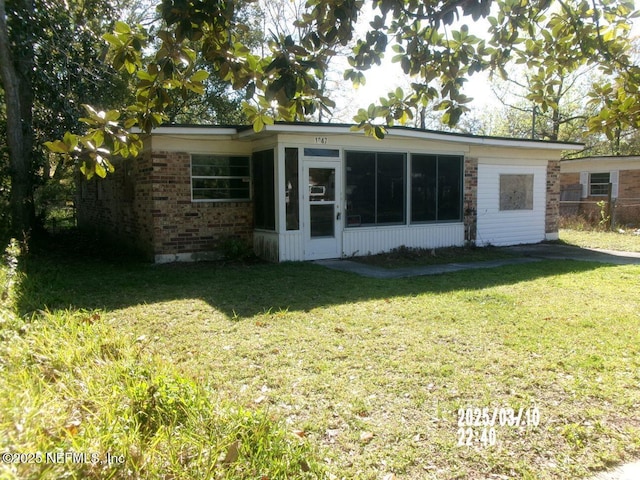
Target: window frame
375 171
438 157
248 178
599 184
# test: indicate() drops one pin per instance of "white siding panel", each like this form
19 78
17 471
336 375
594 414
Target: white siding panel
365 241
509 227
292 246
265 245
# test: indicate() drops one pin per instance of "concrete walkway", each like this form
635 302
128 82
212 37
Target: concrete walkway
630 471
524 254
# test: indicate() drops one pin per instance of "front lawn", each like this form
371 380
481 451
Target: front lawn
374 373
626 241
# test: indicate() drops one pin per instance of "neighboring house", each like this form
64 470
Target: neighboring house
311 191
585 182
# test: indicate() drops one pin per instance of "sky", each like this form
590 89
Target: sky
387 77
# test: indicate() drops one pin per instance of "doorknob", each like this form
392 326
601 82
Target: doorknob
338 215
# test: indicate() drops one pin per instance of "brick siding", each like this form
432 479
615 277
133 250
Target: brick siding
553 197
470 199
627 205
147 203
116 206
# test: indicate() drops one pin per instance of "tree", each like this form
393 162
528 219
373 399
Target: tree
49 65
431 42
16 82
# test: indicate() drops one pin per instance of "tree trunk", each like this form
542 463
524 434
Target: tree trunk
19 103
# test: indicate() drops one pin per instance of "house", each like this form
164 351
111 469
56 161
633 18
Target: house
304 191
585 182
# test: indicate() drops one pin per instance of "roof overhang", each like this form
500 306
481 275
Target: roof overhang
247 133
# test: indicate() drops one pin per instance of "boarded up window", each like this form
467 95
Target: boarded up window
516 192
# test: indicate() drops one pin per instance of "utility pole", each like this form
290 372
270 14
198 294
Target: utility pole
533 123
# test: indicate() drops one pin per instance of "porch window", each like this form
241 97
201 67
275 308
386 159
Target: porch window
292 194
264 198
220 178
376 188
436 188
599 184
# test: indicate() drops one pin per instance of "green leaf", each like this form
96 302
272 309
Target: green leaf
200 76
258 124
114 40
57 146
122 27
100 170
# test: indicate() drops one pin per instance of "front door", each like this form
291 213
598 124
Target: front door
322 225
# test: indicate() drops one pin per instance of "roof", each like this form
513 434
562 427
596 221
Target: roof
315 128
600 163
604 158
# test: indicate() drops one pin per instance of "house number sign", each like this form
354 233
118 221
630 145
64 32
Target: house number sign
322 140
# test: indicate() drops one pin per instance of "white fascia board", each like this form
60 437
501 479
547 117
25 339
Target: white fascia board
346 130
486 141
194 131
307 129
417 134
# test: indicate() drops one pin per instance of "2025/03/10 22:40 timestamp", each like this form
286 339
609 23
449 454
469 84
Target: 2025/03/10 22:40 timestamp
478 425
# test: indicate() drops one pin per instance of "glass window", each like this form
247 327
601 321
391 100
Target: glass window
424 188
449 188
292 195
321 152
599 184
264 198
375 188
220 178
390 199
436 188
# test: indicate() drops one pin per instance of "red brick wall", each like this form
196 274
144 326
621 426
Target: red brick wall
553 196
627 207
116 206
147 203
569 178
470 198
182 226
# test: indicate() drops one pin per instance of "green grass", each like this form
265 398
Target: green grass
412 257
626 241
72 383
371 372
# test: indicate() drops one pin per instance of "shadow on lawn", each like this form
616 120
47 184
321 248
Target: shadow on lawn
55 279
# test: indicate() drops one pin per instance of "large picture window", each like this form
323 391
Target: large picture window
376 188
264 197
220 178
436 188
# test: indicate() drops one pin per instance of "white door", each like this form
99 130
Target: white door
322 212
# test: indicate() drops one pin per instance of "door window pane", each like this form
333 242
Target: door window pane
322 220
322 184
